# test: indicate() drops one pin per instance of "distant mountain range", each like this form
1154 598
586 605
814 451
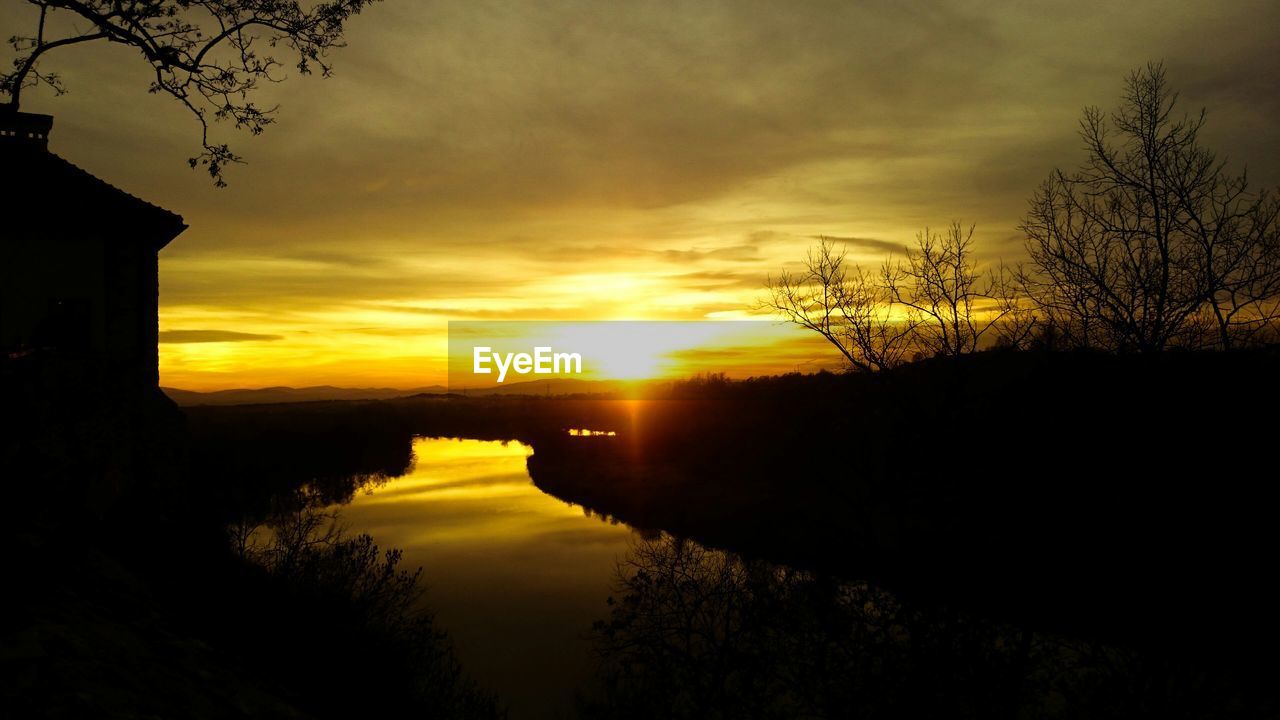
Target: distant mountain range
282 394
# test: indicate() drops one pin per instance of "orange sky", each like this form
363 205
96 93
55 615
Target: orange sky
617 160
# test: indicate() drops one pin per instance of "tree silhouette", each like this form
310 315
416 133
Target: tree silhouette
210 55
700 633
952 307
1152 240
853 310
934 301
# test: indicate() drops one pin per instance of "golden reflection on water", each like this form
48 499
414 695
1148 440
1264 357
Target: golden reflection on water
516 576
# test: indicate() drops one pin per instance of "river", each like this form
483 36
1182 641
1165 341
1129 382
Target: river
514 575
518 577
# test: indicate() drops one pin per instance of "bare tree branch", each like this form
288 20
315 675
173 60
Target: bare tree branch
1152 243
206 54
850 309
953 307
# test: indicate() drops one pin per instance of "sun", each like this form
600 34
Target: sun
629 363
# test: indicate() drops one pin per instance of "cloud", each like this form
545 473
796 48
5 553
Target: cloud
884 246
740 253
720 279
464 313
213 336
600 158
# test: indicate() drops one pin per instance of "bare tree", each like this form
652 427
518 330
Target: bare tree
1236 239
210 55
849 307
951 302
1152 240
1018 322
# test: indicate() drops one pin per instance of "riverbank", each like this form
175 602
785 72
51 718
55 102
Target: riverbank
143 617
1084 493
131 599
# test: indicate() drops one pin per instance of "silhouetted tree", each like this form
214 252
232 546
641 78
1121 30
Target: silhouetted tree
355 619
935 301
1152 240
852 309
952 304
699 633
208 54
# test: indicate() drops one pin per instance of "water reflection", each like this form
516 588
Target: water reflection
583 432
698 633
515 575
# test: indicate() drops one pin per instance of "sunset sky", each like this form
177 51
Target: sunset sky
617 160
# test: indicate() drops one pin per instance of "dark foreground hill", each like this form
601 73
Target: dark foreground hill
1117 495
